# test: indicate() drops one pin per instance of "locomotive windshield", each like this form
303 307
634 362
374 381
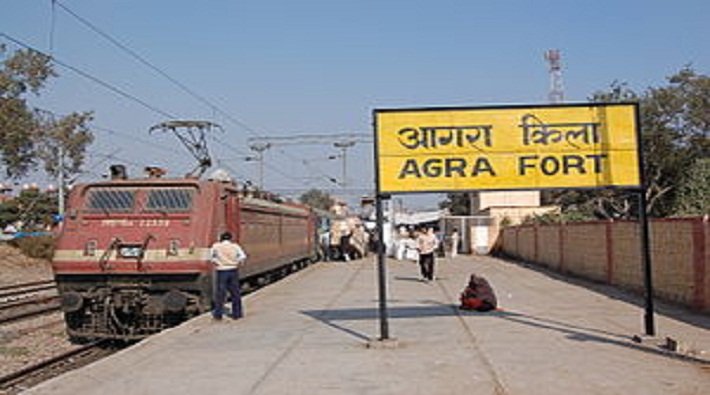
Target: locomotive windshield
141 199
169 199
111 200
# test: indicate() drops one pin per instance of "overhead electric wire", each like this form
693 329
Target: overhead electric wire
51 27
146 63
182 86
91 168
93 79
90 77
134 98
114 156
313 169
135 55
142 141
268 165
125 95
160 147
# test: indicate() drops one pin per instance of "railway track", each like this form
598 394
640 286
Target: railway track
20 380
34 299
18 289
27 300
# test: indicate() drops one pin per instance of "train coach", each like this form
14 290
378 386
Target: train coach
133 255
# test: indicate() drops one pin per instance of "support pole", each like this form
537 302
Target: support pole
61 181
381 270
344 145
259 149
643 224
646 259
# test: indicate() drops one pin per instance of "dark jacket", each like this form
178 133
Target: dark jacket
479 288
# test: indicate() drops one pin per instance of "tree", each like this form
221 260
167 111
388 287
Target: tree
28 134
62 144
9 213
24 71
675 126
597 204
317 198
458 203
33 208
693 194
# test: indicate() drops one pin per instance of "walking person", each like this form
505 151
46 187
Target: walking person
455 238
227 257
427 243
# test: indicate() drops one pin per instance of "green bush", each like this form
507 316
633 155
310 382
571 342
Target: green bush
41 247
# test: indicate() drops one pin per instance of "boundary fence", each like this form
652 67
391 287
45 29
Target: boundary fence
609 252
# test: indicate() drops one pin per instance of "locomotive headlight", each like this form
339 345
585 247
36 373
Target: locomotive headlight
90 248
173 247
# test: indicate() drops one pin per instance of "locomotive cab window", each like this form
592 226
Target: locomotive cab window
111 200
169 199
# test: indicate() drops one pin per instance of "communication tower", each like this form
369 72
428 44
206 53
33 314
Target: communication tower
554 59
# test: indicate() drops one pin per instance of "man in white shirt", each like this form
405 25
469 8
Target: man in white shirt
427 243
228 257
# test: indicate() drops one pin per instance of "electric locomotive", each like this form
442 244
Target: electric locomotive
133 255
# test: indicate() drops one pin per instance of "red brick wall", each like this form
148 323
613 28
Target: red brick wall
526 243
585 250
610 252
626 256
549 236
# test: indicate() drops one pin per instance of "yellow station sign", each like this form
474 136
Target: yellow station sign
504 148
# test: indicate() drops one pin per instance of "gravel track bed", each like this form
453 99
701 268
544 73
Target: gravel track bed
31 340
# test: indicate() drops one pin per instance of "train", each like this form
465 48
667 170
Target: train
132 257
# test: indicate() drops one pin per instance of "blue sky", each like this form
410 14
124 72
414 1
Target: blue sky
287 67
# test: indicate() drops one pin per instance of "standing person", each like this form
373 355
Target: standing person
228 257
455 238
440 245
427 244
344 240
324 238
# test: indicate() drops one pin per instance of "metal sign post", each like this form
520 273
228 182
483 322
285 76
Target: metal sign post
644 236
646 259
381 269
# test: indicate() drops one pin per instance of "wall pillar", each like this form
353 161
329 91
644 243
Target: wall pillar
700 236
561 246
609 252
536 248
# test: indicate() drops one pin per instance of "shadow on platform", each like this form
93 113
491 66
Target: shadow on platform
337 319
627 295
428 309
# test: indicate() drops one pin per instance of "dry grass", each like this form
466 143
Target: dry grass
15 267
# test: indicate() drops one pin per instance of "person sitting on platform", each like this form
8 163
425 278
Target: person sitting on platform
478 295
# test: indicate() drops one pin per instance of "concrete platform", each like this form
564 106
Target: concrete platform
317 333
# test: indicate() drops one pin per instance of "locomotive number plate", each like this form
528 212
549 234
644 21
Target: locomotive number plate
130 251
